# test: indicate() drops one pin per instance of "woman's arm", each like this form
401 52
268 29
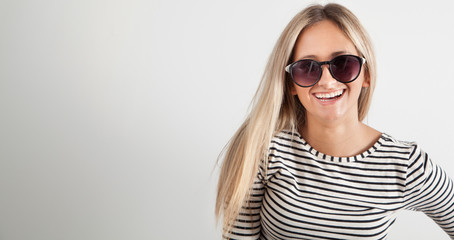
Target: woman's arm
430 190
247 224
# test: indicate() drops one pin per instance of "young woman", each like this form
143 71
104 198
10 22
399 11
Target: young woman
303 165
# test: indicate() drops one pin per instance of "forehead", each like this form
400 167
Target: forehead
321 42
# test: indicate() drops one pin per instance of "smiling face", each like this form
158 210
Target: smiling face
329 99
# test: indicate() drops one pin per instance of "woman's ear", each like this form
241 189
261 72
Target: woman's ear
293 90
366 82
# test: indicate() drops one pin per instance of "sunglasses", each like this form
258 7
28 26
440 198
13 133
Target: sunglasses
343 68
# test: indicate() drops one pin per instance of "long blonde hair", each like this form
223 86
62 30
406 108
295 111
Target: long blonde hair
274 108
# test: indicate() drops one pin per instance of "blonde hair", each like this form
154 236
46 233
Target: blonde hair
274 108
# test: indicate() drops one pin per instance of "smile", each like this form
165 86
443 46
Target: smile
329 96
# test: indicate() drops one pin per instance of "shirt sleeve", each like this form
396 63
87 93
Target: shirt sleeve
247 224
430 190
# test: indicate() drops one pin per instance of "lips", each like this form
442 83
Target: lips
329 96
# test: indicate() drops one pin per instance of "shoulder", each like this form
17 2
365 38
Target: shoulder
287 139
396 142
410 150
388 141
286 135
287 145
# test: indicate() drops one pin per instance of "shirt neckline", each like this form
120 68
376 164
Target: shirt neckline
325 157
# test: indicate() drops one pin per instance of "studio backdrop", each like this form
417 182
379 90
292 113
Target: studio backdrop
113 113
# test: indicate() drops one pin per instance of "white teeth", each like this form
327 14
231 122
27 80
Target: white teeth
329 95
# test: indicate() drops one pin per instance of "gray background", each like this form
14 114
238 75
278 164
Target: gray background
112 113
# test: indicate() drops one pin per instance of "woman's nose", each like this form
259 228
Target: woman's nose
326 80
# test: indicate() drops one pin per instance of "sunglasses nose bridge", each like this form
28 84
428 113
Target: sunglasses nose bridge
327 63
324 63
326 77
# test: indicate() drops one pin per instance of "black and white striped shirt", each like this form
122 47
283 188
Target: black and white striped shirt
305 194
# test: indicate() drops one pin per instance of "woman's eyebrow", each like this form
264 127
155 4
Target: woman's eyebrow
334 54
309 57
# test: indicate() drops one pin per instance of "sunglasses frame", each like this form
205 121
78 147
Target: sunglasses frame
361 61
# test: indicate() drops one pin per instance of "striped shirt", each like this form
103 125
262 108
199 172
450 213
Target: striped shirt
305 194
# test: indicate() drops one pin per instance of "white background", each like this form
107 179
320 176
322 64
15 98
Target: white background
112 113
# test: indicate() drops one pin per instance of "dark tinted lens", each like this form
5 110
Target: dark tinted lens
345 68
306 72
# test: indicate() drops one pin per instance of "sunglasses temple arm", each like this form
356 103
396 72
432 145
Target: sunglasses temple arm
364 60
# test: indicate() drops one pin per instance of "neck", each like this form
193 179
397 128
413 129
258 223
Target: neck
339 138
